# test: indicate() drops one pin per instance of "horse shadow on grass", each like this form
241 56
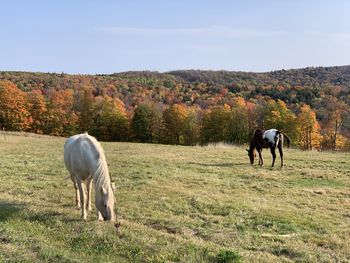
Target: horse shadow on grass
10 209
219 164
48 217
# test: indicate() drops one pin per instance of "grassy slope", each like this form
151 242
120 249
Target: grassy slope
187 204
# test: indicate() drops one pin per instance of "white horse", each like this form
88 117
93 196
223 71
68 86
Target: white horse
85 160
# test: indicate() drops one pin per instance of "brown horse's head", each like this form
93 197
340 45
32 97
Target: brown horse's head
251 154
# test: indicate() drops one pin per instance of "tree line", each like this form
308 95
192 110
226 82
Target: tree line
162 117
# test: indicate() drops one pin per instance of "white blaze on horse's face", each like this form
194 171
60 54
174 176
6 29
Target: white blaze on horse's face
270 135
105 203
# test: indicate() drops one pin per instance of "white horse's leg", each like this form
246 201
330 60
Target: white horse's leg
82 199
77 196
89 187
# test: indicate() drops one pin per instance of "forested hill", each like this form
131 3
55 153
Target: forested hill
183 106
202 87
317 76
306 76
321 77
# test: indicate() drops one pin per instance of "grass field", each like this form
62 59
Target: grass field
176 204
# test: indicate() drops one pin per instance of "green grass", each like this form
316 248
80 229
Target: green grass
176 204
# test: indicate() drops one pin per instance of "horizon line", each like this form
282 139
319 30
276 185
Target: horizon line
169 71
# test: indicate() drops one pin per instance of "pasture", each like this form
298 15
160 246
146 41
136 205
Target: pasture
176 204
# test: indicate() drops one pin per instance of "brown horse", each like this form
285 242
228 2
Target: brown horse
267 139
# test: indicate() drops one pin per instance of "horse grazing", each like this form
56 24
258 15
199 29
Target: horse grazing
85 160
267 139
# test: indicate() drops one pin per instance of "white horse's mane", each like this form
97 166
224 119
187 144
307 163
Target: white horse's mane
100 172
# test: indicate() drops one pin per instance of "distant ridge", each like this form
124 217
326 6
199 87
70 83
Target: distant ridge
337 75
319 78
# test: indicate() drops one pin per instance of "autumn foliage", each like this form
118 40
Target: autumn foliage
14 114
160 109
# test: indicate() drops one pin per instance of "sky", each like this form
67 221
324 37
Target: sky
96 37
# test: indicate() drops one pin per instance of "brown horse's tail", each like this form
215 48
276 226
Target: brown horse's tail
286 136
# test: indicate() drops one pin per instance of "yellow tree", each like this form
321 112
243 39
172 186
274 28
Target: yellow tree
268 114
239 124
288 121
309 129
278 116
110 121
215 124
335 111
192 125
252 116
174 119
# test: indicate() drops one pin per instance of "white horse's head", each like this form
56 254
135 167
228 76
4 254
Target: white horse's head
104 200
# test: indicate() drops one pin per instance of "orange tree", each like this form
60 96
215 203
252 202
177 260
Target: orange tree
37 107
14 114
60 118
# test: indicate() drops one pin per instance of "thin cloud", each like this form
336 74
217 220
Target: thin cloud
214 31
330 35
343 36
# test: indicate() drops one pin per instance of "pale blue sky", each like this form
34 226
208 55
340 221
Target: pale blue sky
84 36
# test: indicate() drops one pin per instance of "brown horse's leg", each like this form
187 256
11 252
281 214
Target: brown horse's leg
281 153
273 152
261 161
